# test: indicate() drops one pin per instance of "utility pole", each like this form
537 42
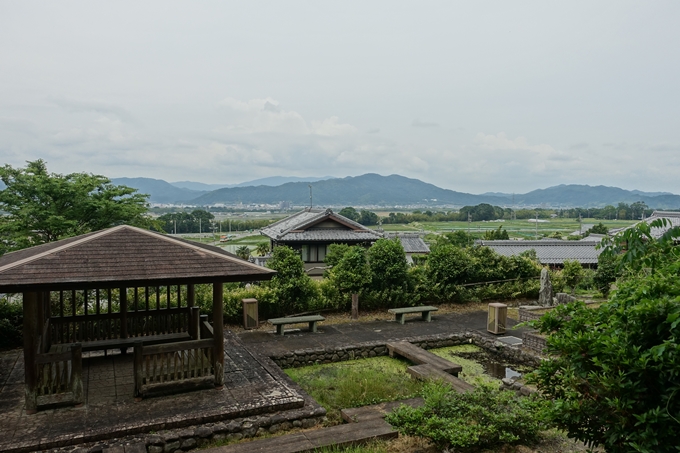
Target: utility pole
174 221
310 196
200 229
536 225
580 225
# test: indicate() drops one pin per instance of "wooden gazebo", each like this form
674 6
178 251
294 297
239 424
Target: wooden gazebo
114 289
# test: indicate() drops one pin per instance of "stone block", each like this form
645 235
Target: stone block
204 432
155 449
171 446
188 444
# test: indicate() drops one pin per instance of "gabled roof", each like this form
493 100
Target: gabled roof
122 255
672 217
301 227
549 251
411 242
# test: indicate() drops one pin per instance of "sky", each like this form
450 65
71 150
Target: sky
474 96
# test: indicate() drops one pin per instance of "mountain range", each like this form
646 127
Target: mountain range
393 190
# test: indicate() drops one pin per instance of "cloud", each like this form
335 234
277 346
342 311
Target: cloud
582 145
331 127
425 124
92 106
374 130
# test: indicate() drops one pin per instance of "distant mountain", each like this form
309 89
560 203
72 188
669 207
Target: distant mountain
160 191
270 181
369 189
595 196
191 185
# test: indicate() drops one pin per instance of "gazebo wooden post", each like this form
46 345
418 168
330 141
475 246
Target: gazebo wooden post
218 333
193 312
123 317
30 332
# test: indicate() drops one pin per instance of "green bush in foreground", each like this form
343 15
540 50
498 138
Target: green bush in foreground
468 421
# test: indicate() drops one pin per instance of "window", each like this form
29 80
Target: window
313 253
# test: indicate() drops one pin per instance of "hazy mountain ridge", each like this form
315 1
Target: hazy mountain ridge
273 181
374 189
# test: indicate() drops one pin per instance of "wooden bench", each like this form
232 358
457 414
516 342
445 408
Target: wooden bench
420 356
280 323
425 312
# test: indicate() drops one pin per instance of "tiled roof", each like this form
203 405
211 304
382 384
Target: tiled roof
122 254
672 217
412 243
549 251
300 227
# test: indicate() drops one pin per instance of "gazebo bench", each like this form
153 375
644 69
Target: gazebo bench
425 312
280 323
125 343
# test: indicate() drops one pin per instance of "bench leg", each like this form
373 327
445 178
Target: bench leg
312 326
399 317
279 329
427 316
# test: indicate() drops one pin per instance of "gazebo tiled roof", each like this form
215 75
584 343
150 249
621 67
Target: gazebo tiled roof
122 255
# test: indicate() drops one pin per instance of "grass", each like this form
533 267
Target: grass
356 383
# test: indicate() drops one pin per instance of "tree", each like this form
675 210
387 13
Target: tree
42 207
243 252
293 287
598 229
351 274
368 218
572 273
494 235
262 249
350 213
614 369
387 261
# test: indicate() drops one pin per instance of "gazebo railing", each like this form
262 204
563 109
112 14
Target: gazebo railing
182 363
60 375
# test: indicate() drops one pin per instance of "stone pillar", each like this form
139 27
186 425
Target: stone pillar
355 306
545 295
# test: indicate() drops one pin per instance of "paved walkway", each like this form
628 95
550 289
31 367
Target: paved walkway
334 335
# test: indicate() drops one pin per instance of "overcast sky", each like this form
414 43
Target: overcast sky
473 96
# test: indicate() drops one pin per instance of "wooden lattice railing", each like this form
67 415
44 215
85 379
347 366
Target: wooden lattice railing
60 375
182 363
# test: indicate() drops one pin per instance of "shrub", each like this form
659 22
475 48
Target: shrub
11 323
479 419
293 288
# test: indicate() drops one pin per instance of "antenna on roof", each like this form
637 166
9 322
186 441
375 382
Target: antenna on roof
310 196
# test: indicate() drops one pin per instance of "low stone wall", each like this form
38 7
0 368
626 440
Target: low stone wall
311 356
528 315
534 341
516 386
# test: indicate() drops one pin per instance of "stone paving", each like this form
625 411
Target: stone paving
253 385
335 335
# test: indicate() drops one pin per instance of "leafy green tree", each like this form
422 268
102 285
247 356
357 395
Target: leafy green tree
572 273
335 254
387 261
598 229
368 218
459 238
243 252
607 272
350 213
351 274
498 234
294 290
42 207
262 249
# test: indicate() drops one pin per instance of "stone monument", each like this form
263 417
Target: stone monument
545 295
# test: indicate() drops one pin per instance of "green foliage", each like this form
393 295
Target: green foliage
335 254
262 249
495 235
42 207
572 272
293 287
187 222
387 261
459 238
350 213
598 229
356 383
607 272
351 274
479 419
11 323
243 252
368 218
450 267
615 372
